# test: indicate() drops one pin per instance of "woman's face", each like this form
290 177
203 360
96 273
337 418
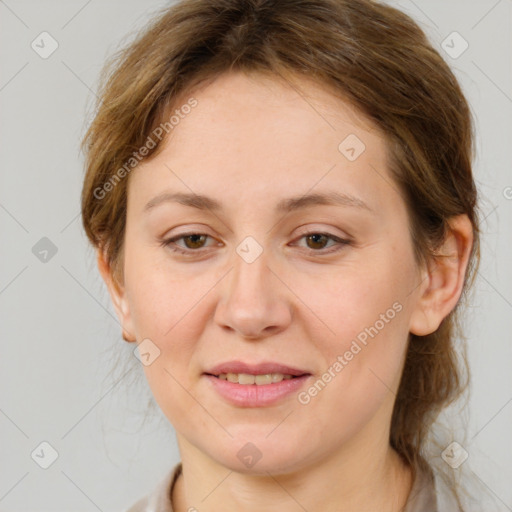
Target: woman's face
265 279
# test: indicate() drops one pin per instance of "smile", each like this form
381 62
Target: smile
244 390
259 380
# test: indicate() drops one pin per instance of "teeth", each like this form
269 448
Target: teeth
259 380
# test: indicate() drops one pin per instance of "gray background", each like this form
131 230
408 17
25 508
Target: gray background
67 378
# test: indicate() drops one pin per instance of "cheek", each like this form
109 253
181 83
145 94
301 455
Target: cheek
363 362
156 305
358 303
367 312
160 300
163 311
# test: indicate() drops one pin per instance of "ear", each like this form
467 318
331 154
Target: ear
443 281
117 295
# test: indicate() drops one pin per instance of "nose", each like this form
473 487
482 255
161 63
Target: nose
254 301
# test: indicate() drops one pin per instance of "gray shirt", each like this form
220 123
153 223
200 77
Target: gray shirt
428 494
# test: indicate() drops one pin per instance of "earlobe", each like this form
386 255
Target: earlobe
443 282
117 296
128 337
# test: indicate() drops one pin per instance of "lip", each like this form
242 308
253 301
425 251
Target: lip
255 369
252 395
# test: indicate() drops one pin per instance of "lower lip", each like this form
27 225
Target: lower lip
252 395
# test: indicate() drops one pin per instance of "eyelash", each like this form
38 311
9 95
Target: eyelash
169 243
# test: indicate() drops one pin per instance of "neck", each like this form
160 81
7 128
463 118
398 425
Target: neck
343 482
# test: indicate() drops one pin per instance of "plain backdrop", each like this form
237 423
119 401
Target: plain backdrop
67 378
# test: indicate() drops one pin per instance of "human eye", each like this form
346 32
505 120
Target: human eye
193 243
320 239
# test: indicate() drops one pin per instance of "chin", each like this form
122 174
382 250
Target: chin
270 464
255 455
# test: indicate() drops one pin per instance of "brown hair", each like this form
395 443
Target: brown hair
369 53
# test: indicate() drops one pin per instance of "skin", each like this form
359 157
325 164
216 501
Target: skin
249 143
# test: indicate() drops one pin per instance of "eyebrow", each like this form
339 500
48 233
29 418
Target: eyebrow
202 202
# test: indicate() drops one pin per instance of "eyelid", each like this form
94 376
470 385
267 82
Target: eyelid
312 229
168 241
339 242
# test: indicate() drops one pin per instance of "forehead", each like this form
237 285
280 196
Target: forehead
248 132
263 106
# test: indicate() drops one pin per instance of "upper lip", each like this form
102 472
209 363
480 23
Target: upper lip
255 369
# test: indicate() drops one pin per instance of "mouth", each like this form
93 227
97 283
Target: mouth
258 374
247 379
259 385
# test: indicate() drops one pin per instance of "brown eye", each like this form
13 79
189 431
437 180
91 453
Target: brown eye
319 240
196 241
193 243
